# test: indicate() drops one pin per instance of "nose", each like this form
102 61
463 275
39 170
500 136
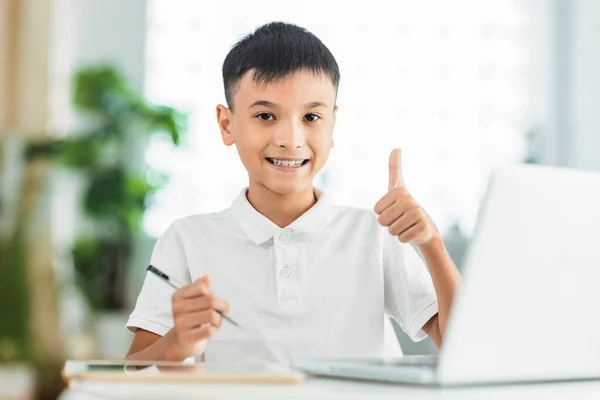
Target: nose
290 136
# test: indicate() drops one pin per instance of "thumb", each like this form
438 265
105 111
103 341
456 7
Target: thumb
206 279
395 165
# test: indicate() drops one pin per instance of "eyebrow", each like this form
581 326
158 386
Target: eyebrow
266 103
315 104
263 103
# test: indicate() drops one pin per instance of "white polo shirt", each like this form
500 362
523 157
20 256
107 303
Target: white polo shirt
319 288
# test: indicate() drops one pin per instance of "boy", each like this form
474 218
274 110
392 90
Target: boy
302 276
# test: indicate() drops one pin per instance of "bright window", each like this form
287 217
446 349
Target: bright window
445 81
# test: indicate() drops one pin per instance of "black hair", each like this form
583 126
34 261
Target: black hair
273 52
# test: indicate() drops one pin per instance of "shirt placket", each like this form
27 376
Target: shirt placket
288 270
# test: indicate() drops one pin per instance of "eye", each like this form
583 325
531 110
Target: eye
265 116
311 117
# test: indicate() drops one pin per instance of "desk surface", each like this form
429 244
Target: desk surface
314 388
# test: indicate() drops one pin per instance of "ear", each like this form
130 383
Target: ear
335 110
224 115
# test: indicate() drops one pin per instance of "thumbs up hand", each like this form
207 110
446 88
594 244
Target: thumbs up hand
399 211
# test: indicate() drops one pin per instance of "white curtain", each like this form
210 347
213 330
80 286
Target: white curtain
445 81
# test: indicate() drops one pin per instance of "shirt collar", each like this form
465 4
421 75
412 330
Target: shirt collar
260 229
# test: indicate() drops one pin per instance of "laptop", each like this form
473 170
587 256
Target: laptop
528 307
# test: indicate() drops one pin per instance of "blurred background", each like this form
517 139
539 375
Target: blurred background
108 134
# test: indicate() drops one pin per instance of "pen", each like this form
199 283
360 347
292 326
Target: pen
165 278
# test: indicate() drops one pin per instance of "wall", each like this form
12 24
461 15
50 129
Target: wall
91 32
583 89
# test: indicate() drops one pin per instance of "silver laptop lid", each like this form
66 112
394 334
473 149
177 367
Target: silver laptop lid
529 305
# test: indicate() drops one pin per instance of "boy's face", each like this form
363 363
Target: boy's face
283 131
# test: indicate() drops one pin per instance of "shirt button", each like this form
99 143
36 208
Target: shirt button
286 271
284 237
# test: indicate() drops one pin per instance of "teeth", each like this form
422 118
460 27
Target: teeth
286 163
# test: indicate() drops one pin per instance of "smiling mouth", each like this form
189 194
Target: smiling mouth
280 162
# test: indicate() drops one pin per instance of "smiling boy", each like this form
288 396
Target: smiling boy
315 278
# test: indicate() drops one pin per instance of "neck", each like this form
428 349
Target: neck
281 209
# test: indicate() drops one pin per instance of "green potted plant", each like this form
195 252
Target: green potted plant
116 193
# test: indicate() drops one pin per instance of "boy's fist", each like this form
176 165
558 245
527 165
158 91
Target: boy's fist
195 317
399 211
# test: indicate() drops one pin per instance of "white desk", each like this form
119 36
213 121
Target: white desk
314 388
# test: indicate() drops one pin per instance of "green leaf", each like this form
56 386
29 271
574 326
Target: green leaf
101 90
166 119
99 264
79 152
106 193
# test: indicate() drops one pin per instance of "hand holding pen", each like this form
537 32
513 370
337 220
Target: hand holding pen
197 313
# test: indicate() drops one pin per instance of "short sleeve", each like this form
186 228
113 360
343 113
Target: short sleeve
410 296
152 310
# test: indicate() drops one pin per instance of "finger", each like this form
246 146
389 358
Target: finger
395 166
402 224
199 318
414 232
201 303
203 281
206 279
196 289
204 332
211 302
392 213
384 203
390 198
